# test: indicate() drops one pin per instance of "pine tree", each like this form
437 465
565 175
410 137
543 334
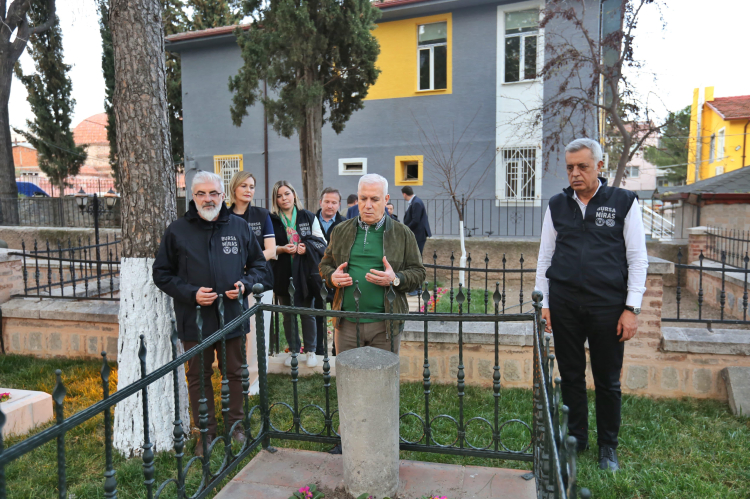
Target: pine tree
175 21
108 69
49 96
214 13
315 57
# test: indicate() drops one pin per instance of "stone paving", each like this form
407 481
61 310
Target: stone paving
277 475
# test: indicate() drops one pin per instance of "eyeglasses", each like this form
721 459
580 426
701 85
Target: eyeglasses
203 195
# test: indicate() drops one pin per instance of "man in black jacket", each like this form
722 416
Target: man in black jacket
416 217
203 254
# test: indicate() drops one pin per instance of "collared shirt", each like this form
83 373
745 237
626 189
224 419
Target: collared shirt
635 250
326 224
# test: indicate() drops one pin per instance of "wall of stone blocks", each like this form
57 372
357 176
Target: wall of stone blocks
11 277
55 338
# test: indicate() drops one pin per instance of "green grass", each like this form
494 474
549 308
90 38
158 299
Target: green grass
669 448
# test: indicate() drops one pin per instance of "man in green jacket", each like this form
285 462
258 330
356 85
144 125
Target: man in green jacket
372 252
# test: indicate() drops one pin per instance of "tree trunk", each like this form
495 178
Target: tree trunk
147 207
8 188
311 154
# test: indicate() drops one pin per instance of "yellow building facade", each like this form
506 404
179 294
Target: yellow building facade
718 135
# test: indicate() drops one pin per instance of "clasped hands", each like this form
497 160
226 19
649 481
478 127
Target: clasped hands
205 296
340 279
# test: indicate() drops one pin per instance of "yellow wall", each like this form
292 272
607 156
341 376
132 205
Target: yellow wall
398 58
711 123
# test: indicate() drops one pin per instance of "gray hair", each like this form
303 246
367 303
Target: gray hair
591 145
373 178
203 176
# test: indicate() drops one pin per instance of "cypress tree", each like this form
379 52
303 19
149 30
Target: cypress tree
214 13
49 96
108 69
316 56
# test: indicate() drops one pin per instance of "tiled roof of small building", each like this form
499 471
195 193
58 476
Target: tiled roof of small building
732 108
92 130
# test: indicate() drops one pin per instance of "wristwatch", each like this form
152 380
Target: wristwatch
635 310
396 281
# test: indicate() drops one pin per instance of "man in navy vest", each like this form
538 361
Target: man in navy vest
592 271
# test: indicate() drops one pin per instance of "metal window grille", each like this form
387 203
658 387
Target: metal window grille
520 172
226 167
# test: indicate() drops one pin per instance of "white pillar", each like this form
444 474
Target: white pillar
368 394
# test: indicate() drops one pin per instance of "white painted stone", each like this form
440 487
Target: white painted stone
25 410
144 309
368 396
738 389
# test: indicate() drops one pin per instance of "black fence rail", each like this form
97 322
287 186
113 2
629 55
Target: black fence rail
549 449
733 244
87 270
59 212
718 270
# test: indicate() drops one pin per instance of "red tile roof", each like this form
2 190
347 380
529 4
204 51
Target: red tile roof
92 130
732 108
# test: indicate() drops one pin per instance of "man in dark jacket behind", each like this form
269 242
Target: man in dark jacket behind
416 217
203 254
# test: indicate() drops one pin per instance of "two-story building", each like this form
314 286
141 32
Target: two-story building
445 66
718 135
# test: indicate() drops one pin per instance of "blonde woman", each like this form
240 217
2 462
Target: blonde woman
241 194
300 245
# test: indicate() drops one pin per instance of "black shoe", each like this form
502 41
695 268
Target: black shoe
336 450
608 458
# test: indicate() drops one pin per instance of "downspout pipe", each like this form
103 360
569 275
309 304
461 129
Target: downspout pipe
744 144
265 144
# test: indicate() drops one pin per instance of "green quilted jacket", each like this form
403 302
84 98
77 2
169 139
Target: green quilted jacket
399 247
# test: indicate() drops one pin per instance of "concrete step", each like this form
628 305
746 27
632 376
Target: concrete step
738 389
278 475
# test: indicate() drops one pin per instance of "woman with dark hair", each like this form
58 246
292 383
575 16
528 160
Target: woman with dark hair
240 198
300 245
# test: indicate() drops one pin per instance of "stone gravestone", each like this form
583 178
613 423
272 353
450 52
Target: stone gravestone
368 395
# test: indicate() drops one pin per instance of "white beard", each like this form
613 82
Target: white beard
209 213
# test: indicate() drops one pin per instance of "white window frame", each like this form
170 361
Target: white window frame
522 48
345 161
431 48
503 198
225 166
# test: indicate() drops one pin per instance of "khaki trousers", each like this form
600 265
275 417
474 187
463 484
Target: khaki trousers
372 334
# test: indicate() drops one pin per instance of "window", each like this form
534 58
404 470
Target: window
520 173
226 166
352 166
719 170
712 149
432 41
409 170
632 172
719 154
521 34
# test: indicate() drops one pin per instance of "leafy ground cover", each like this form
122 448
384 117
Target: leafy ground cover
669 448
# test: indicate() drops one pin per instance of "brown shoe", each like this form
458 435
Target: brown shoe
239 435
199 444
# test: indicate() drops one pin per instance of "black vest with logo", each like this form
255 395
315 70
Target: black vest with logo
590 265
255 216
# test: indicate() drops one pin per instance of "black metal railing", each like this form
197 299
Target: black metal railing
87 270
552 453
59 212
734 244
721 270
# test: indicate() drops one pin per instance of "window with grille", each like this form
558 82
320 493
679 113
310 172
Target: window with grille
226 166
520 164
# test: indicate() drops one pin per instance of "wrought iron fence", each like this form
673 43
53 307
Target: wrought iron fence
734 244
87 270
724 272
552 454
59 212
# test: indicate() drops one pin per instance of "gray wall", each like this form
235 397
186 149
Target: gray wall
382 130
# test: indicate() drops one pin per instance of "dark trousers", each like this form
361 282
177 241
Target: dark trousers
421 242
309 325
234 376
572 325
